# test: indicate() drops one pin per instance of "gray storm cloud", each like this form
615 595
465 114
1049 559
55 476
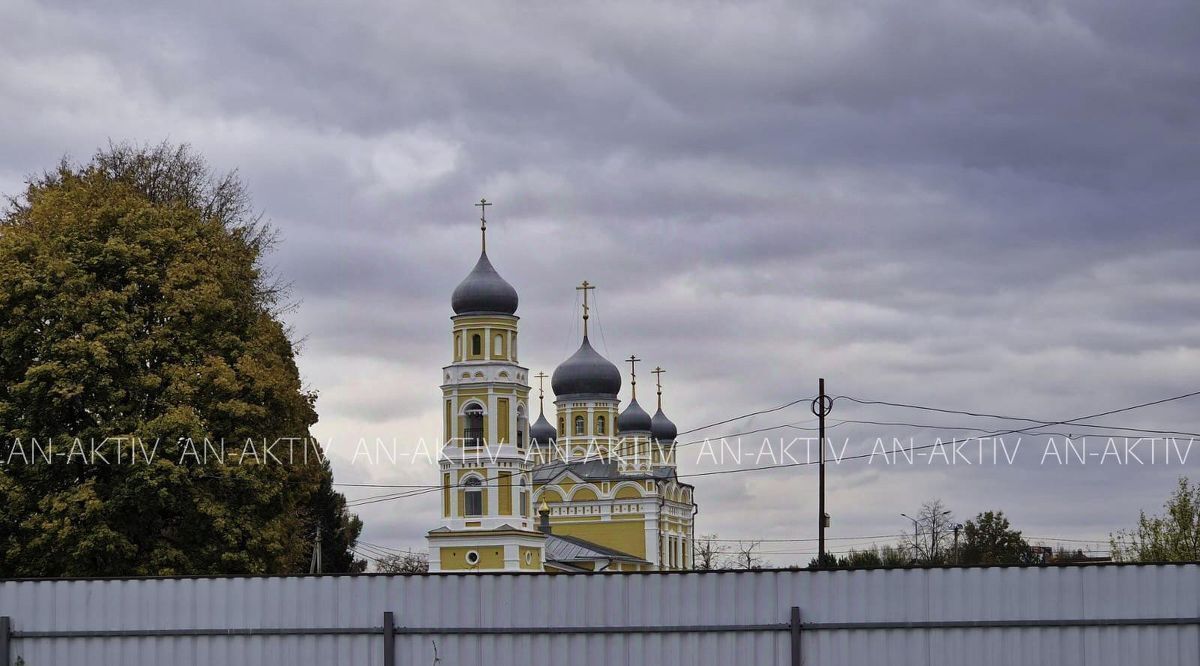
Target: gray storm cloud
977 205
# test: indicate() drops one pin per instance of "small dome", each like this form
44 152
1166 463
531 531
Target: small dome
661 427
483 291
633 419
541 432
586 372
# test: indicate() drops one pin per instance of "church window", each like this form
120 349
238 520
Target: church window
474 495
498 346
522 425
473 433
476 345
579 425
599 425
472 557
523 498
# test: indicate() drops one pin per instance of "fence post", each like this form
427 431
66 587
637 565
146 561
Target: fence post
389 639
795 630
5 640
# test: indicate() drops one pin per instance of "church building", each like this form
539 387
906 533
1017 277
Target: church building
597 492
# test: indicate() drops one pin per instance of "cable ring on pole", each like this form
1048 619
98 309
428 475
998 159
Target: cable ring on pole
822 405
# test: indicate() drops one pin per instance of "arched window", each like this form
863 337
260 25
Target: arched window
473 432
498 346
476 345
599 425
474 495
522 426
523 498
579 425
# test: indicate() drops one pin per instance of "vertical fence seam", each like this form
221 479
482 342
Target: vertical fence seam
389 639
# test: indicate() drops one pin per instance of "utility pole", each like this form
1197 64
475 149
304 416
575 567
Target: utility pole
821 406
957 557
314 565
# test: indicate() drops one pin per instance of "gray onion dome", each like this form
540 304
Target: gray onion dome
633 419
662 428
542 432
586 372
483 291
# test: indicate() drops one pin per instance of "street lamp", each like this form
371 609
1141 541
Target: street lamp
916 535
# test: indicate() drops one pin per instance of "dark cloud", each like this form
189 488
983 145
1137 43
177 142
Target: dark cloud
981 205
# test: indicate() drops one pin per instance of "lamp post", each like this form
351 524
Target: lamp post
916 535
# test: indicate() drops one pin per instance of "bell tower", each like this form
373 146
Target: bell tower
487 519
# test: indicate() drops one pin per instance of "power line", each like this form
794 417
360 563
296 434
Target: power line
743 470
746 416
1039 421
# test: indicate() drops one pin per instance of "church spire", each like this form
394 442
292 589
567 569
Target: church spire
585 288
483 204
632 361
658 372
541 376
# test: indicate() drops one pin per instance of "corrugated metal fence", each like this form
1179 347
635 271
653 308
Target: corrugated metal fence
1070 615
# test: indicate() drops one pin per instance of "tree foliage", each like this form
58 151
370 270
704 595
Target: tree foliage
134 304
1171 537
932 535
403 563
990 539
709 553
867 558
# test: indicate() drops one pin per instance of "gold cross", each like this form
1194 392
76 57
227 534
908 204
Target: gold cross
658 372
585 288
483 204
632 360
541 389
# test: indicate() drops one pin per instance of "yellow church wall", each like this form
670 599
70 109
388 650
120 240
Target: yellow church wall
627 536
584 494
628 492
505 493
535 558
446 494
502 420
455 558
550 496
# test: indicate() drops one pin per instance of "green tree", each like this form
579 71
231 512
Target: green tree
1172 537
136 320
990 539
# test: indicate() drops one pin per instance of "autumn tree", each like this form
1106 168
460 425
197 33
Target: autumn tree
1171 537
137 321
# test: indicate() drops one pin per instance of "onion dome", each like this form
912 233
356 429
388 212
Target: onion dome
586 372
483 291
541 432
633 419
662 428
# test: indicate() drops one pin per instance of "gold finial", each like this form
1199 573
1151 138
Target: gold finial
483 204
585 288
543 507
633 374
541 390
658 372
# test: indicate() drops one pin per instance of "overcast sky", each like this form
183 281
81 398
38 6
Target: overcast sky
985 206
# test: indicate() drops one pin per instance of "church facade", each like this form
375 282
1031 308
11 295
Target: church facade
593 489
